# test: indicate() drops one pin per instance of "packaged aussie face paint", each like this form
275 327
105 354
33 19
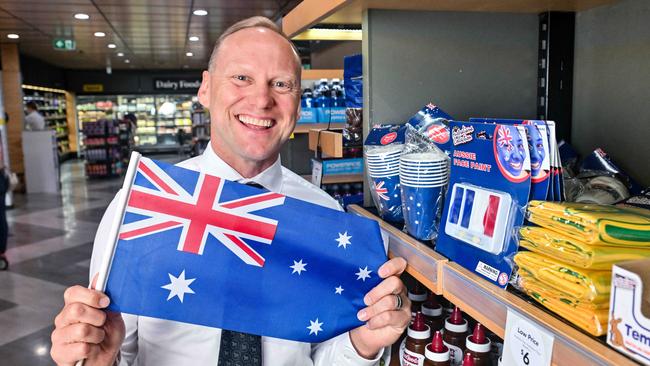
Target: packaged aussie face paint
540 153
489 186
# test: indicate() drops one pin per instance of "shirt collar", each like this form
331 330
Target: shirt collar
212 164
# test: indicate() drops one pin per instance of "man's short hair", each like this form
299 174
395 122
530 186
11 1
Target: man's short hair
32 105
252 22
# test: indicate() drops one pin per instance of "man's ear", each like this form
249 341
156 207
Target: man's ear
204 90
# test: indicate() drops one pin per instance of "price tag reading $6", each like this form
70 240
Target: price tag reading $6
525 343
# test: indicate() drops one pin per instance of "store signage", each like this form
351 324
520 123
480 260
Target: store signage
175 84
63 44
93 88
526 343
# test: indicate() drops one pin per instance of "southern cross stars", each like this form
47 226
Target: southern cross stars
298 267
343 240
178 286
363 274
314 327
338 290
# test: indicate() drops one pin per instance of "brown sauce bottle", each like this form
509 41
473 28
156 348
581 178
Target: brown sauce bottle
417 338
433 314
455 336
478 347
418 295
436 353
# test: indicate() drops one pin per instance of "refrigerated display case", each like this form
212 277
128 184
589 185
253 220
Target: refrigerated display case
159 117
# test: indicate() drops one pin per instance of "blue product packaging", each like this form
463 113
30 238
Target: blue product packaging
537 135
599 162
489 186
382 150
353 81
308 113
434 123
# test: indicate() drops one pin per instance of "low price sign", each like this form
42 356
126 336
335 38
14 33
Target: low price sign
525 343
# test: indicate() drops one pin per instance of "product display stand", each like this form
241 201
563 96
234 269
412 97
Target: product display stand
489 304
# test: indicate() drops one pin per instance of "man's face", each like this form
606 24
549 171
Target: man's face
253 93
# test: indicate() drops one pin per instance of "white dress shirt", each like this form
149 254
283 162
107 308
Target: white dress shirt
159 342
34 121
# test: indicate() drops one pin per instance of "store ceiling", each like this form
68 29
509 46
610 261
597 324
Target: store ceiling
152 34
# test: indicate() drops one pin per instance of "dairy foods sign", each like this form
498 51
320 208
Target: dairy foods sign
176 84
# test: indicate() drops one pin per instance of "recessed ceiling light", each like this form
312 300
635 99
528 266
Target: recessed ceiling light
13 36
200 12
111 45
194 39
120 54
189 54
127 61
100 34
81 16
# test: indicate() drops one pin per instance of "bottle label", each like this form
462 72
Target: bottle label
410 358
455 354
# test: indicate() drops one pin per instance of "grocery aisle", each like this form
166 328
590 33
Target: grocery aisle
50 245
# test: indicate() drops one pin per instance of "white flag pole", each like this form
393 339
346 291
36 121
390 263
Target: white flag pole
122 199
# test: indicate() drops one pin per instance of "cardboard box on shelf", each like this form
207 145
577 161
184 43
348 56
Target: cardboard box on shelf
330 142
629 312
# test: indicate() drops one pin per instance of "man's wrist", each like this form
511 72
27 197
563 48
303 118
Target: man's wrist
364 350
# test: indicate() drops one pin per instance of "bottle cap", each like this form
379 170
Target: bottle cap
418 293
436 350
456 323
468 360
477 342
431 307
419 329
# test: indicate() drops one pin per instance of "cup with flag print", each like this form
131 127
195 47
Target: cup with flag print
382 164
423 177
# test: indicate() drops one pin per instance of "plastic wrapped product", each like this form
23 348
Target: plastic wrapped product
580 284
575 252
590 317
423 175
594 224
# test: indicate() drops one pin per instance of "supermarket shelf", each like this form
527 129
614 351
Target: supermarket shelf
305 127
322 74
424 263
311 12
489 304
337 178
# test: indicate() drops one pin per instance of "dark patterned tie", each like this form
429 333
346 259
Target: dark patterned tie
240 349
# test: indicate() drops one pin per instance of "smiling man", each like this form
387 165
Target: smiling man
252 89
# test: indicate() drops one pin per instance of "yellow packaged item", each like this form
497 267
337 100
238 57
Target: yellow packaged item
593 320
594 224
581 284
575 252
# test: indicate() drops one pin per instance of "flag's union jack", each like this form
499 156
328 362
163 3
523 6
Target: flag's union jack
381 190
199 214
504 138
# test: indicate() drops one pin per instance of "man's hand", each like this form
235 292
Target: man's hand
384 323
84 331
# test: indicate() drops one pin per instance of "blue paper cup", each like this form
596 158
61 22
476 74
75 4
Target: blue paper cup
386 193
420 207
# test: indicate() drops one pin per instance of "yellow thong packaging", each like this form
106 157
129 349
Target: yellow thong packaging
588 316
576 252
594 224
629 310
580 284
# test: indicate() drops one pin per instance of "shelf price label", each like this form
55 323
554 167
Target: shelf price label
525 343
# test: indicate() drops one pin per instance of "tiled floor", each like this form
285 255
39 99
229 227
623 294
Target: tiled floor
49 249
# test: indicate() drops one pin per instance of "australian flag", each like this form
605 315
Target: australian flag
199 249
